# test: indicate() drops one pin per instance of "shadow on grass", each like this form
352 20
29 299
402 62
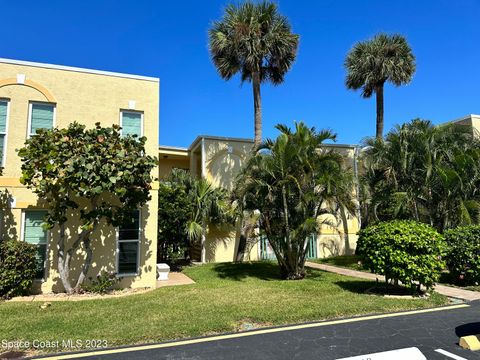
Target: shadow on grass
356 286
263 270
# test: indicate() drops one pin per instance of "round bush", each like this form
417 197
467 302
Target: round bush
463 254
18 267
407 251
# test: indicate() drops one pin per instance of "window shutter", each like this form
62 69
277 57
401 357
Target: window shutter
42 117
131 123
34 232
3 117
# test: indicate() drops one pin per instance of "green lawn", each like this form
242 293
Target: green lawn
225 297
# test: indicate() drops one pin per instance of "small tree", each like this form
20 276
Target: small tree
90 175
175 197
406 251
292 181
210 205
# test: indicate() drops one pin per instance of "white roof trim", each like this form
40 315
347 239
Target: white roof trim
77 69
174 148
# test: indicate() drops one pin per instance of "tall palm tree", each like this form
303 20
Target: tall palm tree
255 40
370 64
292 181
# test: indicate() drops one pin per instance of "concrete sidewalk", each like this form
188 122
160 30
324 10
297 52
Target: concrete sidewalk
441 289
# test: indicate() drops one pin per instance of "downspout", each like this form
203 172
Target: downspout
203 176
355 172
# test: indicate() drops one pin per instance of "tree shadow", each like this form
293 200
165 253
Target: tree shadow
356 286
468 329
8 225
104 246
263 270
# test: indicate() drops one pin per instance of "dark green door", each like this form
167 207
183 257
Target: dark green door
266 251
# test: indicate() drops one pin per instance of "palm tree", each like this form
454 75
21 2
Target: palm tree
293 182
423 172
253 39
370 64
209 205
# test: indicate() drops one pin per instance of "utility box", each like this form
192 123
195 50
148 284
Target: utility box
162 271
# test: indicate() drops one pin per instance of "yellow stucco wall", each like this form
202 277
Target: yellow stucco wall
223 161
340 239
167 165
86 98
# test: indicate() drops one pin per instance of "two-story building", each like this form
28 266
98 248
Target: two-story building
219 160
34 95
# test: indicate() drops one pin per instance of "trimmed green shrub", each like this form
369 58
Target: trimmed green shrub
102 284
18 267
403 250
463 254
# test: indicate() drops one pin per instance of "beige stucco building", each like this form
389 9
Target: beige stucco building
219 160
34 95
471 120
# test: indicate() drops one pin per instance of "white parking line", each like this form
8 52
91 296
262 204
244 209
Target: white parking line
450 355
412 353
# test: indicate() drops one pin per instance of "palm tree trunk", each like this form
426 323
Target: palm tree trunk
203 256
257 104
242 241
379 94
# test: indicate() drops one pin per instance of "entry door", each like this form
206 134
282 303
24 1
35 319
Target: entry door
266 251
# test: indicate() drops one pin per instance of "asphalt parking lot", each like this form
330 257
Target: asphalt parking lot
434 333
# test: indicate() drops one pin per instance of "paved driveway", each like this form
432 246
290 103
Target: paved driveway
427 330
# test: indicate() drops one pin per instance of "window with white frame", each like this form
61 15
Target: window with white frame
131 123
4 104
129 245
42 116
33 233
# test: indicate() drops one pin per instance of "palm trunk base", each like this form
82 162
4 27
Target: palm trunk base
296 273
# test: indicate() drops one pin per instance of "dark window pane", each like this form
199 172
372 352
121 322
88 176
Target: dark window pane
130 229
41 260
128 234
127 257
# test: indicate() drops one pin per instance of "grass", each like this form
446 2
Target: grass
225 298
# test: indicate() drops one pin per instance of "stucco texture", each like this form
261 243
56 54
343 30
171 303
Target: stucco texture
86 98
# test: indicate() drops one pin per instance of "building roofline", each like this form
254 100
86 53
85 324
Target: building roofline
77 69
174 148
222 138
466 117
351 146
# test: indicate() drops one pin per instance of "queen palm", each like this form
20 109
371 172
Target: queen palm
425 172
254 40
370 64
296 185
209 204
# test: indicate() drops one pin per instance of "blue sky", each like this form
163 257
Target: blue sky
168 39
